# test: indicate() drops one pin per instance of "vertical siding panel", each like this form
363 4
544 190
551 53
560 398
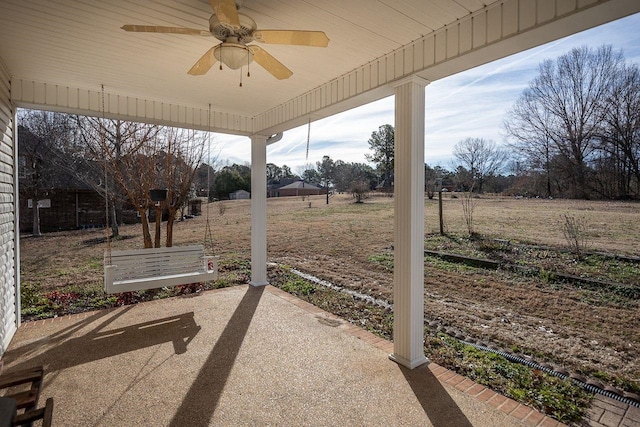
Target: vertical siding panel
366 77
39 93
353 83
398 64
441 46
526 14
480 30
390 60
494 24
509 18
9 275
62 95
546 10
51 94
27 91
382 71
429 49
374 74
418 55
95 101
466 36
74 101
565 6
453 41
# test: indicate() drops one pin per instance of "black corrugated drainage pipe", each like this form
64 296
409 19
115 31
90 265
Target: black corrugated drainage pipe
591 386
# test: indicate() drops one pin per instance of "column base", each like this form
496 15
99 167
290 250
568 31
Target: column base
258 284
411 364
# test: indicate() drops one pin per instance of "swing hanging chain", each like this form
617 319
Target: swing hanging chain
103 141
208 238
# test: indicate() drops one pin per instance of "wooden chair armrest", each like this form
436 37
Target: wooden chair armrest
23 376
45 414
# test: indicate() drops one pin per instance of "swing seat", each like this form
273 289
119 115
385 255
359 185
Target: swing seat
140 269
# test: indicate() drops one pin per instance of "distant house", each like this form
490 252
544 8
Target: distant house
298 188
274 185
239 195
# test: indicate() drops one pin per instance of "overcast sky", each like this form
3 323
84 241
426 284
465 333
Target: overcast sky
469 104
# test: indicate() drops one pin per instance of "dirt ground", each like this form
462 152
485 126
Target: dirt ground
567 325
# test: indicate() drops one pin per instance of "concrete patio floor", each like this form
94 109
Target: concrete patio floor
242 356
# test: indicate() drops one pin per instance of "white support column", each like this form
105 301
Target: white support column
258 210
408 276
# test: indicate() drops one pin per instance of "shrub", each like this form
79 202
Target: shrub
360 191
575 230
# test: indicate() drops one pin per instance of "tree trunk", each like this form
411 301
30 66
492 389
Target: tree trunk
170 222
36 219
146 235
158 222
115 230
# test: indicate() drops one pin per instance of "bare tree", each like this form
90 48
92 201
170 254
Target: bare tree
562 106
481 158
621 128
183 155
127 151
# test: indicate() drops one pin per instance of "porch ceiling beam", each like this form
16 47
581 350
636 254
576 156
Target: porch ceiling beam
75 100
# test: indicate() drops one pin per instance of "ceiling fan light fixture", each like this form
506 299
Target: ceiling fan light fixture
233 55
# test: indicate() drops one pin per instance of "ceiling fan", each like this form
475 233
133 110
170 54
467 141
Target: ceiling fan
235 30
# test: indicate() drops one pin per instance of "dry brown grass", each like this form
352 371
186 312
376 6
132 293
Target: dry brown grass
335 242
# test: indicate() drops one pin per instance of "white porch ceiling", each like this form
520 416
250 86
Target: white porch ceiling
59 53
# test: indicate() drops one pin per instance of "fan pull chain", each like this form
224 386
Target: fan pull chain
240 77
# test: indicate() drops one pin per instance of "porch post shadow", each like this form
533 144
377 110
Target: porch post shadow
201 401
438 405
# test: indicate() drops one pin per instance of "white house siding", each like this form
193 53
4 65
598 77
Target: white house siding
8 215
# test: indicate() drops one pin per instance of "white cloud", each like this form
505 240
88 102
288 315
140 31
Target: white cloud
469 104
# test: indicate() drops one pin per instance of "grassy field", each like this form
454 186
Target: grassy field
593 330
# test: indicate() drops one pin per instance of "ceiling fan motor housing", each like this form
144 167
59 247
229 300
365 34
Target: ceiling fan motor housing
222 31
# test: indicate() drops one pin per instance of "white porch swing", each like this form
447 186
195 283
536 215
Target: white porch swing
141 269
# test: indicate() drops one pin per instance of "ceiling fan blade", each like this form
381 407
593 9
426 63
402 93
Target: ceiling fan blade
168 30
269 63
226 12
204 64
292 37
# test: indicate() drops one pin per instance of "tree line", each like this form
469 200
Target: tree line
574 132
576 128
